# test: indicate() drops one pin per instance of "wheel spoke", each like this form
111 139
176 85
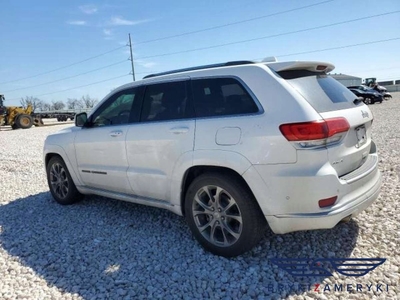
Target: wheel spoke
212 233
203 205
217 198
197 213
205 226
53 172
208 192
230 231
226 242
64 190
58 190
226 208
237 218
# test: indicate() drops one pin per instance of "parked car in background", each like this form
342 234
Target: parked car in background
381 90
369 97
233 147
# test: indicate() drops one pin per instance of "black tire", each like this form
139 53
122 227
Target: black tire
225 222
24 121
57 177
14 126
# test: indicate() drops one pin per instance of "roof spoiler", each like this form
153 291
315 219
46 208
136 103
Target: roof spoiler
313 66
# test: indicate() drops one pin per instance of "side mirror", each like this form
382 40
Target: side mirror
80 119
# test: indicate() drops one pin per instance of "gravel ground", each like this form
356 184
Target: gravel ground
106 249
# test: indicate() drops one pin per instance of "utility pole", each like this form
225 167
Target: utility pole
133 68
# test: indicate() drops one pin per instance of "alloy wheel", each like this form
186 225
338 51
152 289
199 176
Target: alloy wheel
217 216
59 180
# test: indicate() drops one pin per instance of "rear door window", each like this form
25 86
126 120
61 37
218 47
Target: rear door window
221 97
166 101
320 90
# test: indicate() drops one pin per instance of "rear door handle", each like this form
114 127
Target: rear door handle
116 133
179 130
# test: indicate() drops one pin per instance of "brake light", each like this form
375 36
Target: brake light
327 202
320 132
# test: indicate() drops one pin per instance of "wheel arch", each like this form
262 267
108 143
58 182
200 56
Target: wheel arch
195 171
51 151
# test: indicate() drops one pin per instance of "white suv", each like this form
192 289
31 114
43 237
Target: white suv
233 147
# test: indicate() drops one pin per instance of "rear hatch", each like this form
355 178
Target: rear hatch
333 101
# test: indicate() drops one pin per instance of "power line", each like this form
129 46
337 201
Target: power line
391 78
69 77
341 47
269 36
77 87
371 70
321 50
64 67
232 23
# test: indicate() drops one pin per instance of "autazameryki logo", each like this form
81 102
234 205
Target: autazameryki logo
327 288
321 266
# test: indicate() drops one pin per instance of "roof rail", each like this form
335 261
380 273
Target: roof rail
227 64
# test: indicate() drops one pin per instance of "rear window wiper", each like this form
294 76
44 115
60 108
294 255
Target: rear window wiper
358 100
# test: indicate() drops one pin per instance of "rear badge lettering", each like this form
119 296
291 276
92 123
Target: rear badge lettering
337 162
364 114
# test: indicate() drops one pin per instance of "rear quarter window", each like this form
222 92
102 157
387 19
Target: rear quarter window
221 97
320 90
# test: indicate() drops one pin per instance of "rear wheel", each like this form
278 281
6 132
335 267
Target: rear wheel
370 101
61 185
24 121
38 121
223 214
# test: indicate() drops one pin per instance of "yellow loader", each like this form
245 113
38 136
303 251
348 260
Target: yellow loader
17 117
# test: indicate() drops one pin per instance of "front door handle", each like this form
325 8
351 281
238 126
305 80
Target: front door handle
179 130
116 133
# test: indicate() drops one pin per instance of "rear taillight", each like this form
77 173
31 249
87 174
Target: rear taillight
315 133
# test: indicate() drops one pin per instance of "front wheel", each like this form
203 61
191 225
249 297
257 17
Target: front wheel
24 121
223 214
60 182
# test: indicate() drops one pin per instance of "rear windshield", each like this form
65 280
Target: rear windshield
320 90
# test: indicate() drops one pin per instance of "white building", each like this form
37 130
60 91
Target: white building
347 80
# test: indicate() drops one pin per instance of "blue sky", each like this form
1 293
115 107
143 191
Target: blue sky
43 35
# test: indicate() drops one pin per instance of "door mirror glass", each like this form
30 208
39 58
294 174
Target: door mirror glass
80 119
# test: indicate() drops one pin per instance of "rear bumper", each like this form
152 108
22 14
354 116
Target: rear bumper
328 219
288 194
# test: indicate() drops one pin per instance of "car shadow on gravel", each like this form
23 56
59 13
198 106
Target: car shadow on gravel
102 248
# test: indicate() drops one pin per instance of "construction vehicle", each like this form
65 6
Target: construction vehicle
370 82
17 117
